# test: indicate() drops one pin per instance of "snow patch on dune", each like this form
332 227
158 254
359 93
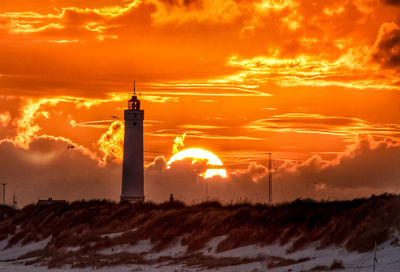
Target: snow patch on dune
177 250
116 234
310 257
142 246
18 250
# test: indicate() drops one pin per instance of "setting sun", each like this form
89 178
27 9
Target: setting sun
201 154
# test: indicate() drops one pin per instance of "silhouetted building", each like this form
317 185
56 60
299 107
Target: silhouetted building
50 201
132 166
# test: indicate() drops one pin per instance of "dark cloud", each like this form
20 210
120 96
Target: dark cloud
392 2
367 166
181 3
48 169
387 46
368 163
183 180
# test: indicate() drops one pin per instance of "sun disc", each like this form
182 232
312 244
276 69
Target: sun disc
200 154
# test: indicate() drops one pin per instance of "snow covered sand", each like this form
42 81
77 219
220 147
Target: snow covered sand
18 250
269 258
304 235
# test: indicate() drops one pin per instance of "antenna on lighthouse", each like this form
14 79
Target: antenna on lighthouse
134 87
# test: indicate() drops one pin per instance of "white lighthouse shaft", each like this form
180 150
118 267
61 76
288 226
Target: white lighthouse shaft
132 167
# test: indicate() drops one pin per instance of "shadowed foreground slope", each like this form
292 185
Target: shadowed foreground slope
79 232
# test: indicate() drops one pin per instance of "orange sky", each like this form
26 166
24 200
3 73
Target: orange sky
307 80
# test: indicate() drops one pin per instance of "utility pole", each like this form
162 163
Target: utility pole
269 179
4 193
14 202
375 259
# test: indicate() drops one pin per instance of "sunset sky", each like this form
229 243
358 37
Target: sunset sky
317 83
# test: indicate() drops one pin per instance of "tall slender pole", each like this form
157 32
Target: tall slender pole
14 202
4 193
375 259
269 179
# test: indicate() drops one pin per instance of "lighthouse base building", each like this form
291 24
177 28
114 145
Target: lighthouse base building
132 166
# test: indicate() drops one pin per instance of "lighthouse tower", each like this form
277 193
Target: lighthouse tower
132 166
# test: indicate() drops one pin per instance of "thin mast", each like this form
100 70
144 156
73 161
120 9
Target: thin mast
4 193
269 179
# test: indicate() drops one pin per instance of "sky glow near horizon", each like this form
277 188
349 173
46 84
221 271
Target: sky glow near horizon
314 82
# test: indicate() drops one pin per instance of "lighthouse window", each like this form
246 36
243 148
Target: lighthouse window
134 124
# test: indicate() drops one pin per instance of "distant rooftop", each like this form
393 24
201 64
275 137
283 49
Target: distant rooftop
42 202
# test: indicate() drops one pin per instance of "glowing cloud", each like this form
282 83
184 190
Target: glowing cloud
27 128
112 141
178 143
5 119
92 124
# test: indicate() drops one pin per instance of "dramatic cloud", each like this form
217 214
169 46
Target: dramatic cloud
369 166
387 46
27 128
312 43
366 167
183 179
48 169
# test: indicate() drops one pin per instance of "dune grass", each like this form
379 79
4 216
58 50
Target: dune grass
355 224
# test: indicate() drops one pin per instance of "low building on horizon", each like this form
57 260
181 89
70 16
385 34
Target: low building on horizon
50 201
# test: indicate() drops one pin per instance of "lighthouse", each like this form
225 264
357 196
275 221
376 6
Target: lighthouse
132 166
